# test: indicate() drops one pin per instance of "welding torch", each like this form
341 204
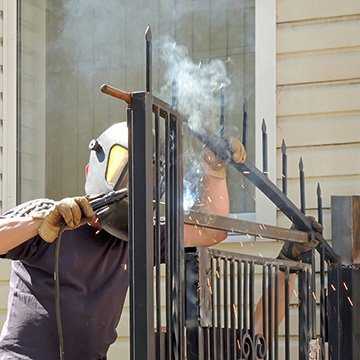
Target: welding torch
100 203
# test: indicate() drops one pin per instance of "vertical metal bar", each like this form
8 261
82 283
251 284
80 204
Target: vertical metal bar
222 112
302 186
264 148
245 125
226 310
179 228
168 231
264 304
284 167
219 323
233 311
303 318
214 310
276 301
287 315
245 299
148 38
270 323
141 230
239 308
313 294
322 278
252 300
157 234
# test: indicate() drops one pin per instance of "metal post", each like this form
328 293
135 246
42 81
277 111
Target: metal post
141 230
148 38
302 186
222 112
344 290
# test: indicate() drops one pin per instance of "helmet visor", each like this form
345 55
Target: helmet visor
117 163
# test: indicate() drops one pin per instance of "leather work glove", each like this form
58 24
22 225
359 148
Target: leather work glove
301 251
69 212
216 167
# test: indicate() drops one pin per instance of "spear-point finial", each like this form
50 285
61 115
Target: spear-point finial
301 164
284 167
148 38
263 126
302 186
148 35
265 147
245 125
318 190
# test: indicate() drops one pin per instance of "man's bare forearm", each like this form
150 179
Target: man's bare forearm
15 231
215 200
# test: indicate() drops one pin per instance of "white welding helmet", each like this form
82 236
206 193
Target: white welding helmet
108 164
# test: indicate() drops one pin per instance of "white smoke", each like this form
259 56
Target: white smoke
197 85
196 88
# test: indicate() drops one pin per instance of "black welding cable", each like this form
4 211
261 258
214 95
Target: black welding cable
57 296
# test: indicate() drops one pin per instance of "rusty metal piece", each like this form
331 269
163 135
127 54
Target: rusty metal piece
245 227
116 93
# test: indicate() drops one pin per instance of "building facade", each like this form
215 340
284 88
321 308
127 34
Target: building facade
298 64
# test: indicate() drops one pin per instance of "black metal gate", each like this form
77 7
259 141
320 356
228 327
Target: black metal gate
210 313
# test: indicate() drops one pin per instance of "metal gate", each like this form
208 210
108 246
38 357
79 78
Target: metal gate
207 310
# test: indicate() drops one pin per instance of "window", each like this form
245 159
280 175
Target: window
68 48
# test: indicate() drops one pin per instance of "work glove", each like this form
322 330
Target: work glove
216 167
302 251
68 212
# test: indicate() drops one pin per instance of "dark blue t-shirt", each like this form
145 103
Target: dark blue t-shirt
94 281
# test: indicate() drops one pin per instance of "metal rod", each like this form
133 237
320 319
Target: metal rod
265 231
287 315
276 301
157 234
168 242
233 311
222 112
252 300
245 299
245 125
218 299
214 309
264 304
302 186
284 167
226 310
148 38
270 322
322 278
264 148
116 93
239 308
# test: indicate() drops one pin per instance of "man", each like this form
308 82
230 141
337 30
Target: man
93 263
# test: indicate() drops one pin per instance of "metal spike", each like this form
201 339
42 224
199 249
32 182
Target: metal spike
302 186
222 111
244 138
265 147
319 204
284 167
174 94
148 38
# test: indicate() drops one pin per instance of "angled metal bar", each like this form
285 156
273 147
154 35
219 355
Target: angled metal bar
221 149
244 227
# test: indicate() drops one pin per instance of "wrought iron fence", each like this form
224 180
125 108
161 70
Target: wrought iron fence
219 292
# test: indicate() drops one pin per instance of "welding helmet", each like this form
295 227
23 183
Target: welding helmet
107 171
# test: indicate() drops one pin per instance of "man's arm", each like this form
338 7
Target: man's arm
15 231
214 199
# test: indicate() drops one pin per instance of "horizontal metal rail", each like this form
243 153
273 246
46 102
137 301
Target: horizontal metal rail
224 223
